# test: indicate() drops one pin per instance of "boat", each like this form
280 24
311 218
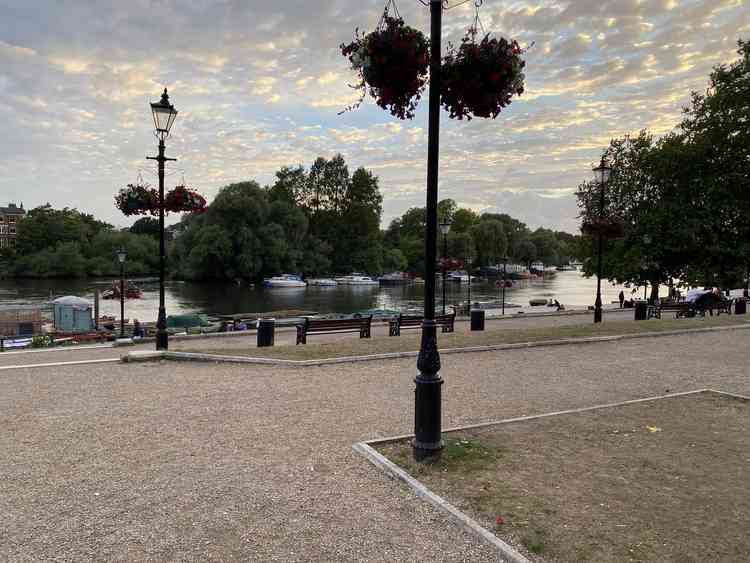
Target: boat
394 278
537 302
566 268
357 279
322 282
549 272
459 276
132 291
284 281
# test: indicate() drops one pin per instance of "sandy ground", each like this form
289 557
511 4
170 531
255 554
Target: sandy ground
194 462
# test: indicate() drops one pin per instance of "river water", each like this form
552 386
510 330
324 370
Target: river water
570 288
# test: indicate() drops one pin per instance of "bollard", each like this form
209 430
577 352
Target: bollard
477 319
641 311
740 307
266 332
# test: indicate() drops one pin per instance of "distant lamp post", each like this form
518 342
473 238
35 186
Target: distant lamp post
468 261
505 274
646 244
445 228
164 116
601 174
122 255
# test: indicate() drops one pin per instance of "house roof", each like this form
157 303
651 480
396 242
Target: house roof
12 209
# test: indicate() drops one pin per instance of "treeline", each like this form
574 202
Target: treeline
315 221
483 240
65 243
682 201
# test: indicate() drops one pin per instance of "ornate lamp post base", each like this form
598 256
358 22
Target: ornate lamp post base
162 337
428 443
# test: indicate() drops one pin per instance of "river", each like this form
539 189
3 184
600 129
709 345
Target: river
570 288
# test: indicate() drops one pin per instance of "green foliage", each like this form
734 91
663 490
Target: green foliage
490 242
685 198
146 226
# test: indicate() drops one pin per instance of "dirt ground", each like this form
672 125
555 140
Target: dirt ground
662 480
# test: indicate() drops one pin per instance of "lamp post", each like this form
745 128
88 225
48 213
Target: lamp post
505 272
646 243
445 228
601 173
428 442
164 115
122 255
468 260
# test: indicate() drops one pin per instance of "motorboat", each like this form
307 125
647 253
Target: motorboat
357 279
459 276
284 280
132 291
322 282
394 278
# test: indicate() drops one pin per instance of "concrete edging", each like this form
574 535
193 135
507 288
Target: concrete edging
466 522
469 524
220 358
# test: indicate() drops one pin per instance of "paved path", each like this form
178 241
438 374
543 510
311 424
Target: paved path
182 461
284 337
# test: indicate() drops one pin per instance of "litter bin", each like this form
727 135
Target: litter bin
477 319
265 332
641 311
740 307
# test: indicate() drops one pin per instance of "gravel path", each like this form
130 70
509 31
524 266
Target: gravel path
285 337
182 461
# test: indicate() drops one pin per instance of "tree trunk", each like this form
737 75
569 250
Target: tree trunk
654 298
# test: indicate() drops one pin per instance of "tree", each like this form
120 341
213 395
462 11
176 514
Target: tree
146 226
525 252
490 242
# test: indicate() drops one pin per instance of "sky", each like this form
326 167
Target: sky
259 85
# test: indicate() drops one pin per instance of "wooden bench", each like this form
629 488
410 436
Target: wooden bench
395 325
680 309
321 326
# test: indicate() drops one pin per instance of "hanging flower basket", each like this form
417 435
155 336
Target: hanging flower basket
137 199
184 199
479 79
608 227
392 64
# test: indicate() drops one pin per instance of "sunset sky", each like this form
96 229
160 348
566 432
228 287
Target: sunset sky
258 85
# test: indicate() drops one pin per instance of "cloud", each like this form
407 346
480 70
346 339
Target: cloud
260 85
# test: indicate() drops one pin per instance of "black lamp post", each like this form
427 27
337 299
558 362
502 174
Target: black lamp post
428 442
122 255
445 228
601 173
468 271
164 116
505 272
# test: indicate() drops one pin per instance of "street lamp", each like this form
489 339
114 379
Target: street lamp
164 116
646 243
601 174
122 255
468 261
428 442
445 228
505 272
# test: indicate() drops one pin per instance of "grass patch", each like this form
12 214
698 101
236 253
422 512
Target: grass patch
656 481
408 342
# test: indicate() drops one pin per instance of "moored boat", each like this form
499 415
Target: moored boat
394 278
322 282
284 281
357 279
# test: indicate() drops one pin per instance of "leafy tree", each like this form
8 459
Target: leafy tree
146 226
490 241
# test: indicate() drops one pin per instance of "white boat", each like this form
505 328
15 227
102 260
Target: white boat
322 282
357 279
394 278
459 276
284 280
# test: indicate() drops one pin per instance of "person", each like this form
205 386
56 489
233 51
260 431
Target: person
559 306
622 298
137 329
241 325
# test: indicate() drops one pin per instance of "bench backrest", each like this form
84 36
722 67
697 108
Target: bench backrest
415 320
336 324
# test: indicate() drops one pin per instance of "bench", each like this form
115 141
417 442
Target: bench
681 309
412 321
323 326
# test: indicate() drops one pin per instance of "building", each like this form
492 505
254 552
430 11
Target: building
9 217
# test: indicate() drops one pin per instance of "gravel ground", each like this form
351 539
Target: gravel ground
284 337
189 462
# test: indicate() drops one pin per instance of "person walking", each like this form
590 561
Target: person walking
622 299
